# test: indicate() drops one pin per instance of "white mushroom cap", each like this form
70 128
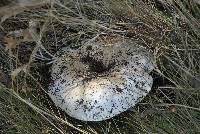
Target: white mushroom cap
98 81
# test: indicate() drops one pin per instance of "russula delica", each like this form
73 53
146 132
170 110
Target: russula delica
100 80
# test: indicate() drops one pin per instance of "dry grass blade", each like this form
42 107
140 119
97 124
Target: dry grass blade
43 113
20 6
169 29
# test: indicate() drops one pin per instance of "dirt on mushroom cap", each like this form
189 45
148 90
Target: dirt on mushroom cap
98 81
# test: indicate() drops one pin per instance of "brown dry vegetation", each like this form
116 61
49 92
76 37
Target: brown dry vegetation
32 31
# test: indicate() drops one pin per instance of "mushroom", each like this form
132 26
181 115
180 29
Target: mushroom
100 80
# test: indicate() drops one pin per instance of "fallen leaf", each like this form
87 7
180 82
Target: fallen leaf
14 38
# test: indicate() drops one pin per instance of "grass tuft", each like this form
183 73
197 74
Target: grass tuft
169 29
